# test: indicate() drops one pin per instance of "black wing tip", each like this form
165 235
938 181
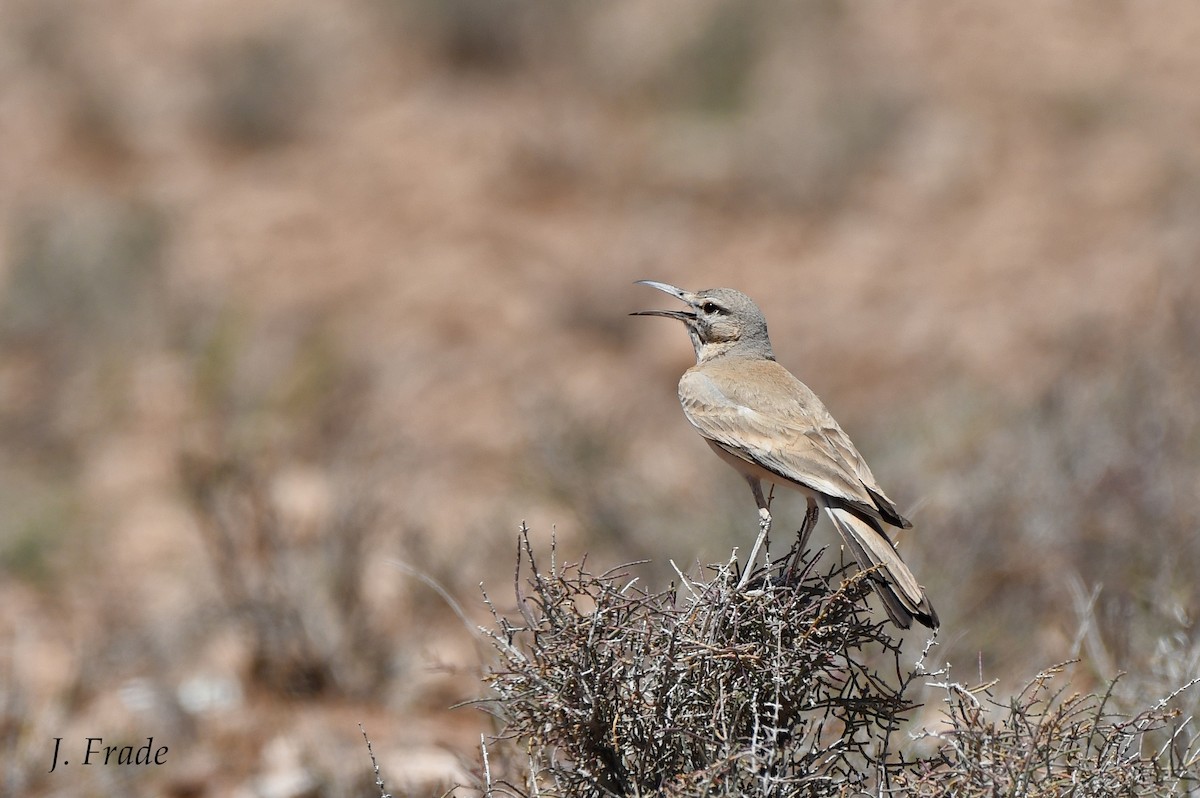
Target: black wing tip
887 509
893 517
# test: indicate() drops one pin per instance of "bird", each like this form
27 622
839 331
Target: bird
773 429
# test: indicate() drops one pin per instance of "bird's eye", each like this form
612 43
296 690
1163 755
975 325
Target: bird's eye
710 307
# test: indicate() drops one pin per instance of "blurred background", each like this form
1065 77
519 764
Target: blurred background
306 305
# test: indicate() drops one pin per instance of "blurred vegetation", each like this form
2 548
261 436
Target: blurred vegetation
289 294
260 90
1093 480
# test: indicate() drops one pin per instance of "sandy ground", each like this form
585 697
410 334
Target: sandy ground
293 291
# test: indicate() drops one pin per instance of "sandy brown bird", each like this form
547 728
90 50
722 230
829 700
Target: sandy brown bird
769 426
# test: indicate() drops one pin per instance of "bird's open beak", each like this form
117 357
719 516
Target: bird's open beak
678 293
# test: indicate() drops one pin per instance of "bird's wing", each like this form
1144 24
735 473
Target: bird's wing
837 439
797 440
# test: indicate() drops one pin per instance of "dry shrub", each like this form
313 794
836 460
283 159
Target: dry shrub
788 689
1050 741
607 689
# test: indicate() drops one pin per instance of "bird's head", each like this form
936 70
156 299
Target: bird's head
719 321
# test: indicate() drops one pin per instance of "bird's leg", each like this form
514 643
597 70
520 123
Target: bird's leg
806 527
811 513
764 528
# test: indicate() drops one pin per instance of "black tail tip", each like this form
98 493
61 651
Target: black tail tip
928 619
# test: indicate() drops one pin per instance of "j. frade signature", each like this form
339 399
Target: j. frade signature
95 752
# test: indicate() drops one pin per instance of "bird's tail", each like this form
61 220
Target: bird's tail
903 598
